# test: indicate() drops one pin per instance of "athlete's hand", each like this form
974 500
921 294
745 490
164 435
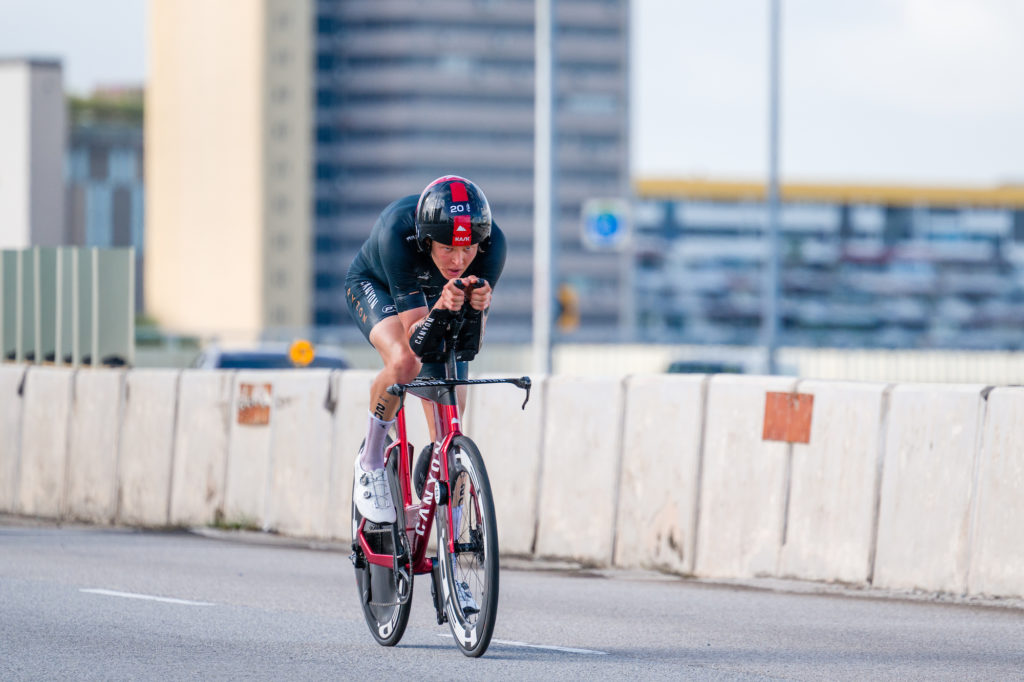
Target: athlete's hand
452 298
480 295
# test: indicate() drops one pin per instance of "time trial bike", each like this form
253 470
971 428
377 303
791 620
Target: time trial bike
454 495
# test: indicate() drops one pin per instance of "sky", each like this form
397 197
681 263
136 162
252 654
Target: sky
872 91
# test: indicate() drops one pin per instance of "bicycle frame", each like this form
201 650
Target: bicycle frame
419 518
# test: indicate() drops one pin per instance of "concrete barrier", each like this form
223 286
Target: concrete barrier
580 469
657 510
510 441
300 453
998 544
905 487
743 481
201 447
11 408
146 448
833 484
44 441
92 445
927 487
247 479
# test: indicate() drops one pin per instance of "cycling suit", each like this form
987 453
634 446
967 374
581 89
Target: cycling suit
390 274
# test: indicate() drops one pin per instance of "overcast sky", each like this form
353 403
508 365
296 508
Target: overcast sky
911 91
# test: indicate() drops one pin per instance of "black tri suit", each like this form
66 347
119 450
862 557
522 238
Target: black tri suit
390 274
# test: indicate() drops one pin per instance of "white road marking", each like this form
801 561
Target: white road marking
132 595
548 647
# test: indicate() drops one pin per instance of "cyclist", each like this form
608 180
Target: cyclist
403 275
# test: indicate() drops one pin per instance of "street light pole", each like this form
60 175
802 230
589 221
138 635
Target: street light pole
770 282
543 184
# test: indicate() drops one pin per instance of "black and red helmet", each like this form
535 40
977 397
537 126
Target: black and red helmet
452 211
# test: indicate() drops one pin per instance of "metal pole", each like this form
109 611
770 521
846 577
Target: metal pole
770 283
543 185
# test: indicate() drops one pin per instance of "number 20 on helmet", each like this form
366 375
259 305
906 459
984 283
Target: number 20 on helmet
453 211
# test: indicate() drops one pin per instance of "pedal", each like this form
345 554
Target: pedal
357 559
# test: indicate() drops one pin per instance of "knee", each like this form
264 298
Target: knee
405 365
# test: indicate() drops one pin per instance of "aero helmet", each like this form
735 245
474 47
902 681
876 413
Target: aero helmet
452 211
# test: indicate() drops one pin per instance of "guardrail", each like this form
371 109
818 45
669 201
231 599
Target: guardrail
902 486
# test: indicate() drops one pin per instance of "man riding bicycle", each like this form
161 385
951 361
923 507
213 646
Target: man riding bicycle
399 285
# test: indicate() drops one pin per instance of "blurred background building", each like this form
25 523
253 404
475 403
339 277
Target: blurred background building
105 193
228 131
33 132
862 266
405 94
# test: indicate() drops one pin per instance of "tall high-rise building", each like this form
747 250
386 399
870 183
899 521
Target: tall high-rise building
368 101
407 91
33 132
227 136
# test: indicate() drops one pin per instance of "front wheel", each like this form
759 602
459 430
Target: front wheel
469 567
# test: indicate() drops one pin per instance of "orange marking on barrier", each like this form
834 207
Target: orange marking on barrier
787 417
254 402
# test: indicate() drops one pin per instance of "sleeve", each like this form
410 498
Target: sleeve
398 259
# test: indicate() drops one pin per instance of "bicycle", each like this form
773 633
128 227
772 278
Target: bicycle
456 493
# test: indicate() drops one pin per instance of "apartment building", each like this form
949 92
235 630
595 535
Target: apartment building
228 243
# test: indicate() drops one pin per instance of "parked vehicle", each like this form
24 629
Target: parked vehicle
298 355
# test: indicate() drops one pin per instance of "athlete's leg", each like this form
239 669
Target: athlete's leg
400 366
374 311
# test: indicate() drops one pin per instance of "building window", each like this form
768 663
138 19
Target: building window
326 209
99 163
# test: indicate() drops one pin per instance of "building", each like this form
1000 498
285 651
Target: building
105 195
277 131
33 131
861 266
405 95
228 246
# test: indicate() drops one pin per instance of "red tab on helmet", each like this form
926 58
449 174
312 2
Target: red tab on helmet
462 234
459 192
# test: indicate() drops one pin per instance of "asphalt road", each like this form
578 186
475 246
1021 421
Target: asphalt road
93 603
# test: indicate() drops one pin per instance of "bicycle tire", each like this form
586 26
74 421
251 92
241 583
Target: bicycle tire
475 561
378 597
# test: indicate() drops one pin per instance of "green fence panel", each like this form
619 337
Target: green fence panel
45 283
115 286
9 304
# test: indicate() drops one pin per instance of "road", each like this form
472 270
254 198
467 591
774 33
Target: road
99 603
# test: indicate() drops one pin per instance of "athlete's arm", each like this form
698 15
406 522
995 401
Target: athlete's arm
426 330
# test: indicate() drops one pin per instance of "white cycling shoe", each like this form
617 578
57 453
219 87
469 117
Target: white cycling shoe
372 495
465 597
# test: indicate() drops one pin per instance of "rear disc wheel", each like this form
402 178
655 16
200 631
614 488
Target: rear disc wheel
379 586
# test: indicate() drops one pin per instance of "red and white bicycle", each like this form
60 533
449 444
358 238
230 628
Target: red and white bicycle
455 495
